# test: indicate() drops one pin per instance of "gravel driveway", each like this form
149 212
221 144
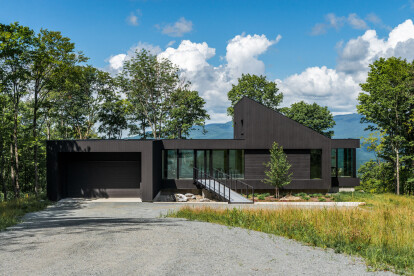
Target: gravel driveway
119 238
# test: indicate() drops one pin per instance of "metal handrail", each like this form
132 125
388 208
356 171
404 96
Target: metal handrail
219 176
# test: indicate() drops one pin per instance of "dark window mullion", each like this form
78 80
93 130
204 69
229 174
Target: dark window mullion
178 164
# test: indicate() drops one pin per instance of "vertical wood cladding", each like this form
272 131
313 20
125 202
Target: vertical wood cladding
255 163
57 162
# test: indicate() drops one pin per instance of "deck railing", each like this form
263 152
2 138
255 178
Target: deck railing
229 182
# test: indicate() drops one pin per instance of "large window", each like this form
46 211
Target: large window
344 162
186 164
236 163
171 164
316 164
203 160
220 160
179 164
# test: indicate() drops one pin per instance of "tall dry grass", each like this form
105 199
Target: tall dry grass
382 232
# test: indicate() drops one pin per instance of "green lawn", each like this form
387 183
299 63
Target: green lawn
12 211
382 231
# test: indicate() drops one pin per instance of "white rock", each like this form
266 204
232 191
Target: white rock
180 198
189 195
204 200
193 197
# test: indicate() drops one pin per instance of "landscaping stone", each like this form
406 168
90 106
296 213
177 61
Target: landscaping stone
181 198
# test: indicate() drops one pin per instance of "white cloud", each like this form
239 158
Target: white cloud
179 28
373 18
337 22
358 53
189 56
356 22
242 53
338 88
132 19
116 61
325 86
213 82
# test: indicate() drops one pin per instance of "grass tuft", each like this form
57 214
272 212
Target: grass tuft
382 232
13 210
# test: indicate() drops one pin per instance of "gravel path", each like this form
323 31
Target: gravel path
119 238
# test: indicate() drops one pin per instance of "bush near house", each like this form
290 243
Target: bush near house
382 231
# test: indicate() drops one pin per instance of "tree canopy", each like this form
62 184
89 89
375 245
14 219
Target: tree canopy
159 99
387 101
257 88
313 116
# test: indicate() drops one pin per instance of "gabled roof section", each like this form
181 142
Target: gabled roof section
281 114
261 126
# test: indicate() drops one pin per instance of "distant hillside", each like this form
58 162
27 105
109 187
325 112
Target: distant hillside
214 131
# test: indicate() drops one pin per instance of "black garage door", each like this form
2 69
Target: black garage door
103 175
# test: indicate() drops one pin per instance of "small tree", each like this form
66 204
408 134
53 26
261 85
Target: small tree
277 174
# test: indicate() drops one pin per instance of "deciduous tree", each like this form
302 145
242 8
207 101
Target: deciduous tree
16 47
313 116
187 111
385 101
277 173
257 88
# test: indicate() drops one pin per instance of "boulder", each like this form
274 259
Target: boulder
190 195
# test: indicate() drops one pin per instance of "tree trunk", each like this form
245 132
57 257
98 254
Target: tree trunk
35 148
2 174
398 171
15 155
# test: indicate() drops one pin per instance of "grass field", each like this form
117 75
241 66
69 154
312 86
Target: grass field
13 210
382 232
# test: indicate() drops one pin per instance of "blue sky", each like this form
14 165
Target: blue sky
306 46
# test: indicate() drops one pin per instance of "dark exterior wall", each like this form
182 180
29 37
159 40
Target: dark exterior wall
345 143
203 144
263 126
56 162
254 161
157 169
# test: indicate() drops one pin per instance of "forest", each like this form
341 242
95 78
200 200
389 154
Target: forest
48 91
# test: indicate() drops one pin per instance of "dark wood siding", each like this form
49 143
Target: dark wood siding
300 161
254 161
57 162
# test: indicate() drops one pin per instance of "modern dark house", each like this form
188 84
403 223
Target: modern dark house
141 168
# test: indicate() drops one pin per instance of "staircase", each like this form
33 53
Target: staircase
224 186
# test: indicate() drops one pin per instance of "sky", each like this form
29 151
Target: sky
316 51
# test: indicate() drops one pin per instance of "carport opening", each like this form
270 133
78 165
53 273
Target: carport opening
101 174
